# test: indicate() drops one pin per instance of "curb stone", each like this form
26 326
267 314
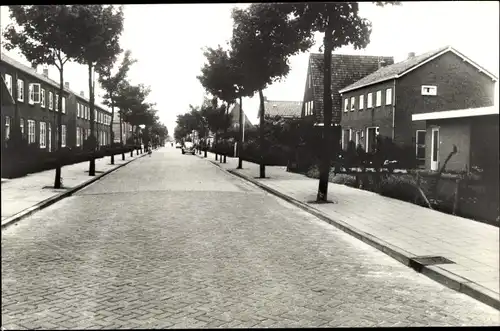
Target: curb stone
49 201
436 273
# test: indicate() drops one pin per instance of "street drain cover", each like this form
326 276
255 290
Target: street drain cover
420 261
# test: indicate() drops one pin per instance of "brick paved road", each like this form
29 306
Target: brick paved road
173 242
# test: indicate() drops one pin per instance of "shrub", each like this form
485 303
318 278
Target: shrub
343 179
313 172
402 187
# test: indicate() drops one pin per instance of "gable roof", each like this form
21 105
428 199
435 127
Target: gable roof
235 117
400 69
345 70
30 71
282 108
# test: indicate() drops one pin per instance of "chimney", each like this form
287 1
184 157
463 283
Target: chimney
411 54
381 63
82 93
34 66
46 72
66 85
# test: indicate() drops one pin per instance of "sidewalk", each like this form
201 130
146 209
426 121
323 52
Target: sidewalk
413 230
20 194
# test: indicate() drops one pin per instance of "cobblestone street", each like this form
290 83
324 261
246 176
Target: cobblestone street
172 241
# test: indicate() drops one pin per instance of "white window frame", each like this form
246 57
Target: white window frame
33 93
353 103
31 131
20 90
42 98
63 105
429 90
56 103
8 82
21 126
369 100
78 133
361 104
51 100
43 135
7 127
388 96
378 99
78 110
63 136
49 130
346 105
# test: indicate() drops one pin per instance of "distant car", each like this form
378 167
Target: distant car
178 145
188 148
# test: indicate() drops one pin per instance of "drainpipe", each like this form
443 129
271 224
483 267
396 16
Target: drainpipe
393 108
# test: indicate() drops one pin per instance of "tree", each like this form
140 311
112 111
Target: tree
131 99
45 35
222 78
264 37
341 25
98 30
111 84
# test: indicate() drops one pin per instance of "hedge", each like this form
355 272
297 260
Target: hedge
17 164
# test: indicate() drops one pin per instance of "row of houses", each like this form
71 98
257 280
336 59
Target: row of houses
436 101
36 97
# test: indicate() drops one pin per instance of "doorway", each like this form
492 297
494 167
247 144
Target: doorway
435 149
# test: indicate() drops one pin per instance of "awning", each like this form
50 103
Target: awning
460 113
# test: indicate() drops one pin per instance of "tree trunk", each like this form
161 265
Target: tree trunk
240 139
121 133
111 133
58 180
92 124
327 115
262 139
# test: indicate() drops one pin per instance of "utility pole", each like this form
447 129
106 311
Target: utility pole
240 142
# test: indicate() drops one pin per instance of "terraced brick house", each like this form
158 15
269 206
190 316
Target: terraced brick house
345 70
383 102
36 96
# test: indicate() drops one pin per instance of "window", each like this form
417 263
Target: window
346 105
420 147
388 96
50 136
7 127
31 131
33 93
42 98
43 135
429 90
88 133
20 90
77 110
8 82
87 112
63 136
370 101
353 100
361 102
21 126
95 115
64 105
51 100
57 102
78 135
378 100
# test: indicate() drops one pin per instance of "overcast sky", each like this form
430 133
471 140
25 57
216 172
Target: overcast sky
167 40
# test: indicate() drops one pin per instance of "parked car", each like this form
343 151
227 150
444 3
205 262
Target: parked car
188 147
178 145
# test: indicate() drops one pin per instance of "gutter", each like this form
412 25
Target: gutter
393 108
